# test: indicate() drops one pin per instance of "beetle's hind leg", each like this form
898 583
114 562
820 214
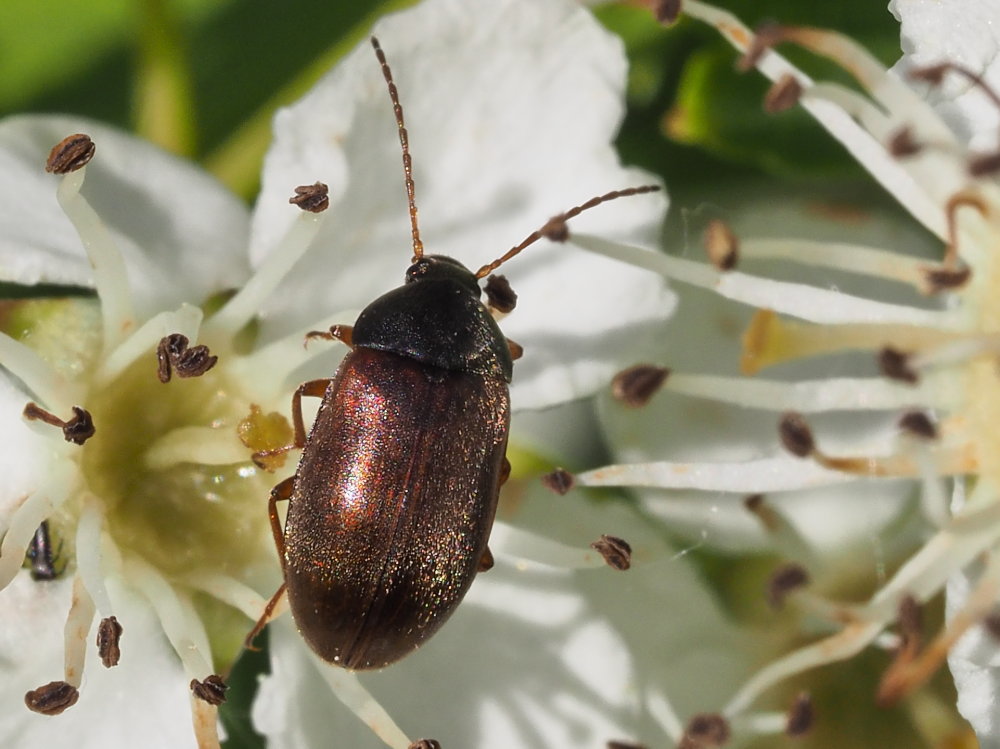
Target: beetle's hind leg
275 607
314 389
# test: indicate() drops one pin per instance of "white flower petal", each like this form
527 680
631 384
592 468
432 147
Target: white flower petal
505 132
182 234
677 428
975 665
26 455
972 39
116 706
538 657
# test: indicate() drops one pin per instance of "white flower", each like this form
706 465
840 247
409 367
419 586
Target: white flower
160 518
929 416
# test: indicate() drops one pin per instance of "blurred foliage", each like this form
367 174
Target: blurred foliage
203 77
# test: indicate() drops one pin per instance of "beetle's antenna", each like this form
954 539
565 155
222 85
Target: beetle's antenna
555 227
404 141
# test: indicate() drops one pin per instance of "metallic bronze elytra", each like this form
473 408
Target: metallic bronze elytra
392 503
412 452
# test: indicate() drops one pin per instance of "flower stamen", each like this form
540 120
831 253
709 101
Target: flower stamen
616 551
705 731
52 698
109 633
770 340
635 386
807 396
805 302
71 153
186 321
173 354
50 387
525 547
721 245
78 623
784 536
110 275
798 439
78 429
242 307
187 636
784 581
911 670
982 164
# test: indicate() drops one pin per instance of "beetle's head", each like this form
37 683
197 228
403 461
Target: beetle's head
442 268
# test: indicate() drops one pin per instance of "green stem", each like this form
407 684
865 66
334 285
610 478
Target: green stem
164 93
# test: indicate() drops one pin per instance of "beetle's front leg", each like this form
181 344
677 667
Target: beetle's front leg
314 389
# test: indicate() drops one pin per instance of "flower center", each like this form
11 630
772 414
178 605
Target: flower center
181 514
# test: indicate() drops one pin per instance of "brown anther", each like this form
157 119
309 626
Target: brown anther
721 245
173 355
616 551
765 36
499 295
938 279
109 634
902 143
783 95
992 625
909 617
77 430
560 481
801 715
212 690
635 386
424 744
783 581
71 153
314 198
705 731
757 504
666 12
486 561
895 365
932 74
796 435
984 164
556 229
80 428
52 698
624 745
918 424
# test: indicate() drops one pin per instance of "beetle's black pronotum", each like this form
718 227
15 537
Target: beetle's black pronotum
393 500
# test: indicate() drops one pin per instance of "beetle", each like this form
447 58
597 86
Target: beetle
394 497
42 555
